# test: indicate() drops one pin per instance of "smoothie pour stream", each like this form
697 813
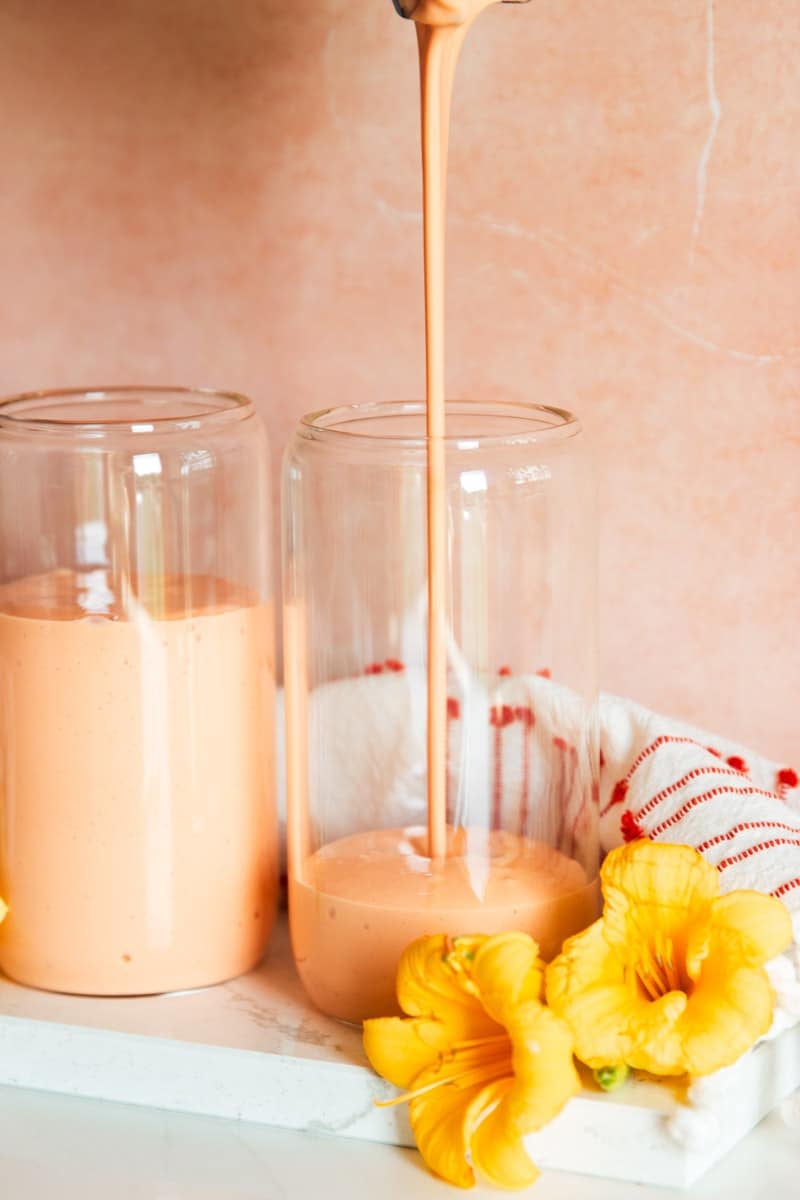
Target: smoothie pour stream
442 26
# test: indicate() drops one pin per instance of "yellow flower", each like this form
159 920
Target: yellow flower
481 1060
670 980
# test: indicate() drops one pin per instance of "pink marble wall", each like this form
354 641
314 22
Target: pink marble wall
228 194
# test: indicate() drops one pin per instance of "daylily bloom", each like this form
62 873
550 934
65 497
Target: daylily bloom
671 978
481 1060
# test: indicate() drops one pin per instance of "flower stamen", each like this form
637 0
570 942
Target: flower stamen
497 1069
497 1039
657 966
649 985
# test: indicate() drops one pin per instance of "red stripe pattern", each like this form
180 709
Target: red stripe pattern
677 789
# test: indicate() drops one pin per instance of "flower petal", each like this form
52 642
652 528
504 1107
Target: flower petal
652 890
729 1009
697 943
496 1147
544 1080
399 1049
759 927
544 1071
427 986
439 1121
507 971
655 1043
586 986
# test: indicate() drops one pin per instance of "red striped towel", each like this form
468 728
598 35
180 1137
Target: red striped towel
669 782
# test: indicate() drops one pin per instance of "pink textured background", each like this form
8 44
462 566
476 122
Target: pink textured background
228 194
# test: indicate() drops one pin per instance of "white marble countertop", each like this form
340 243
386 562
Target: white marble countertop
61 1148
254 1050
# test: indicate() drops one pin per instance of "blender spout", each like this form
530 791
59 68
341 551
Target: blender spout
405 8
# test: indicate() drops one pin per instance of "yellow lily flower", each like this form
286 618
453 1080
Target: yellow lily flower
481 1060
670 979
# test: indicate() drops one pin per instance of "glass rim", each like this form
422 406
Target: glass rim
325 424
17 412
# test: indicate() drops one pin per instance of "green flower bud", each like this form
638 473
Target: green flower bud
611 1078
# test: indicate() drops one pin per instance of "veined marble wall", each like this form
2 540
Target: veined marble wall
228 194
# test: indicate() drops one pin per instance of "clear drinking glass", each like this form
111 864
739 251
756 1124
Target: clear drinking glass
522 748
138 840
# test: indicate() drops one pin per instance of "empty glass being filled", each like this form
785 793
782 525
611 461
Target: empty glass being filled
520 748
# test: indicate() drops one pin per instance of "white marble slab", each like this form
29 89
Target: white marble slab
255 1050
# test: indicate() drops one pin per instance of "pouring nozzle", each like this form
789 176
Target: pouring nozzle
406 7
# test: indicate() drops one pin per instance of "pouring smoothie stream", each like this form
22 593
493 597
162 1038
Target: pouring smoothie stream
442 26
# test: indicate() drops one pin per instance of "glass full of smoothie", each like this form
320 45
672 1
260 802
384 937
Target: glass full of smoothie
517 843
138 844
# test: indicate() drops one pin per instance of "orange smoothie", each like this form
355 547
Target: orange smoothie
138 850
359 901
